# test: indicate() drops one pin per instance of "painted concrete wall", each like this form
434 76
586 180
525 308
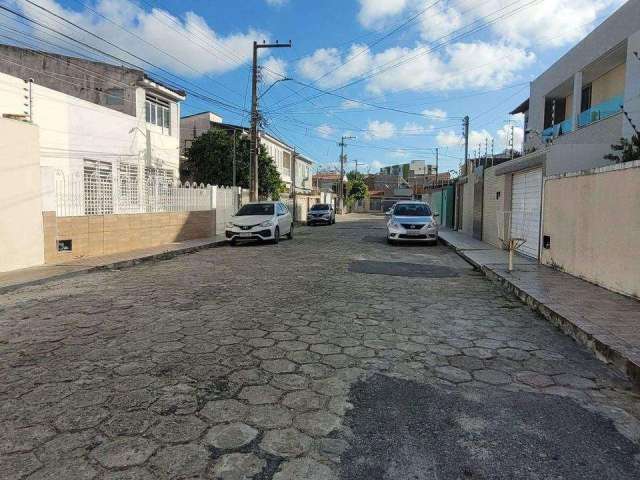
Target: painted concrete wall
20 199
594 226
585 148
491 205
608 85
72 129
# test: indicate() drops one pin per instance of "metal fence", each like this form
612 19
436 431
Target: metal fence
97 190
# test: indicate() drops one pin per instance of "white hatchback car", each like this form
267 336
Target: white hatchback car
411 221
265 221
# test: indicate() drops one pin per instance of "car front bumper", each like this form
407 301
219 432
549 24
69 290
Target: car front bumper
312 220
256 233
422 235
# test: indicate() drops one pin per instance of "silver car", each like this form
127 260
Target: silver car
411 221
321 213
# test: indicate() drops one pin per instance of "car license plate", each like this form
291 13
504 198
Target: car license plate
245 234
413 233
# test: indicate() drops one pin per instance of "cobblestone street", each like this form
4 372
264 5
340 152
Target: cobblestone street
311 359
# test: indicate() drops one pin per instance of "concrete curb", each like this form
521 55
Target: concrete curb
604 351
117 265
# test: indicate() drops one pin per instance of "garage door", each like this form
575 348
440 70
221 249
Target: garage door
525 209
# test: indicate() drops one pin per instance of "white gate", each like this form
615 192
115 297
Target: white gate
526 194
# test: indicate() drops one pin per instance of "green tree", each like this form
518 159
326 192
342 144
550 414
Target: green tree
357 189
210 160
625 151
353 175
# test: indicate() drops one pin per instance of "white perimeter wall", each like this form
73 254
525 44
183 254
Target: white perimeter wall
21 233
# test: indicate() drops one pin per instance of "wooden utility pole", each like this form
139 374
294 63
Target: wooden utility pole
255 117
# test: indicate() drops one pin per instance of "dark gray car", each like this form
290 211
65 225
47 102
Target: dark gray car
321 213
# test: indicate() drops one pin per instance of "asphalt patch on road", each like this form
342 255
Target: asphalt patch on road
402 269
405 430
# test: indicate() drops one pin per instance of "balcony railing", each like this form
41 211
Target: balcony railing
556 130
600 111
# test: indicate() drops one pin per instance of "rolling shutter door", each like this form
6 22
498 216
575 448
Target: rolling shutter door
525 209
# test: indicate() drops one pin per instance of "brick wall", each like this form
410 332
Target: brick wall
107 234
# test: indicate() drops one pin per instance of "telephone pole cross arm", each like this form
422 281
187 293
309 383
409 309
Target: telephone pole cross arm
255 117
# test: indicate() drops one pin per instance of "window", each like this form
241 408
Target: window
286 162
255 209
128 180
114 96
98 187
158 112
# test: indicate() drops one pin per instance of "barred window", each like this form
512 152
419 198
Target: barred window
129 187
98 187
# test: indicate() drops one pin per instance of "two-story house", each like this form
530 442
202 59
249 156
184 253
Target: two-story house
192 126
576 110
107 127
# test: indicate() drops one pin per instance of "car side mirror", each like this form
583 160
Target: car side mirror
388 213
436 215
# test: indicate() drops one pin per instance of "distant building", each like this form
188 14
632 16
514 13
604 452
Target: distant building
327 181
192 126
406 170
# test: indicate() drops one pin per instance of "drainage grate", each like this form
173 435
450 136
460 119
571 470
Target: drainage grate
401 269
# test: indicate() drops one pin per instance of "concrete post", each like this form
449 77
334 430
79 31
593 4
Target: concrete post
577 99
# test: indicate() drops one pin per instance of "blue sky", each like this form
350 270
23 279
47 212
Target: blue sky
397 74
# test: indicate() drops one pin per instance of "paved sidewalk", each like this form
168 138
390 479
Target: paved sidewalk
604 321
35 275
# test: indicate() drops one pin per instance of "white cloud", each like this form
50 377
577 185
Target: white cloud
373 12
504 135
325 130
378 130
549 23
328 65
376 165
276 3
435 114
195 47
461 65
274 69
449 139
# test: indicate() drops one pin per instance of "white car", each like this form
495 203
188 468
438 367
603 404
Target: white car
264 221
412 222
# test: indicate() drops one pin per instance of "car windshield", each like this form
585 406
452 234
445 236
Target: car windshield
412 210
320 206
255 209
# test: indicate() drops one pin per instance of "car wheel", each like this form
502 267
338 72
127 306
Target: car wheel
390 242
233 242
290 234
276 235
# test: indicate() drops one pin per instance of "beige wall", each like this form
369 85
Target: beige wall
594 223
491 205
608 85
106 234
21 238
467 205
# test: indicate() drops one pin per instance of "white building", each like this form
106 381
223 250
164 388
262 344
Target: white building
192 126
577 108
97 122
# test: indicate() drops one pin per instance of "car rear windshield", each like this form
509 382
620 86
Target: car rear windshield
412 210
255 209
320 206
